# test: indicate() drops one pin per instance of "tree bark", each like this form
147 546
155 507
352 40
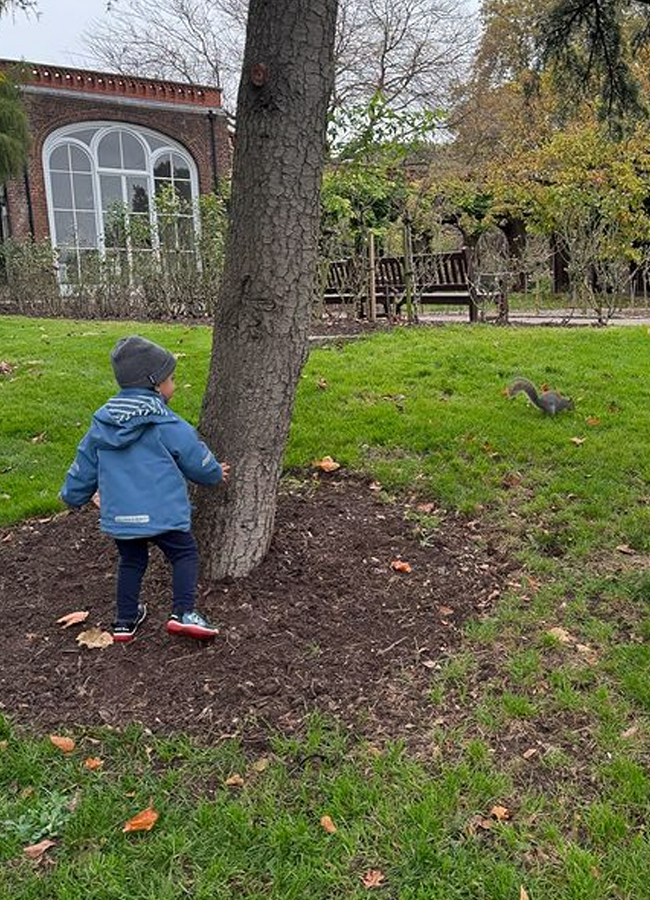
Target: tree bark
267 291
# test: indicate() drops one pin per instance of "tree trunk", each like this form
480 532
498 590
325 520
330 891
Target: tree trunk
265 299
515 234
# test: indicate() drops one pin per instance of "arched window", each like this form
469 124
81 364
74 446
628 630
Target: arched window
117 192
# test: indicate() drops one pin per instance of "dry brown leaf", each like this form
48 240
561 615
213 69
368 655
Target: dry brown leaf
523 893
400 565
4 745
446 610
73 618
578 441
629 732
327 823
326 464
373 878
93 762
95 638
528 754
39 438
623 548
144 821
322 384
235 780
561 634
500 813
65 744
375 751
593 421
261 765
35 851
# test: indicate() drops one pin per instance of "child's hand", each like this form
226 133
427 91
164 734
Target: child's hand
225 471
95 499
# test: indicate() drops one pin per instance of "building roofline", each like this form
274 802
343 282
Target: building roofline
112 84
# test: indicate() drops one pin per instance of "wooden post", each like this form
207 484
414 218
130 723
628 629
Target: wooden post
408 270
372 297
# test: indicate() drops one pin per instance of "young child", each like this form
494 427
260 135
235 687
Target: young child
138 454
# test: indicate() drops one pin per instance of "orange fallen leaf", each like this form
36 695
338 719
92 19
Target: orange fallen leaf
593 421
327 823
35 851
400 565
93 762
73 618
144 821
65 744
326 464
95 639
373 878
500 813
235 780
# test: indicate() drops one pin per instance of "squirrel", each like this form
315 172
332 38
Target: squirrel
548 401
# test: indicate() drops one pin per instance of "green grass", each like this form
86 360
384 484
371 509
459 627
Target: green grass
557 730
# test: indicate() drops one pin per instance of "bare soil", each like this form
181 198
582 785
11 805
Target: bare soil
325 622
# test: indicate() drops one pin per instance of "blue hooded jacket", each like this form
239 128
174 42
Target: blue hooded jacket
138 454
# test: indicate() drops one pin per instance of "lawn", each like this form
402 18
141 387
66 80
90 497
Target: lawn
531 779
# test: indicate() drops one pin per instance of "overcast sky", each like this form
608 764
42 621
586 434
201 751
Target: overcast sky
54 36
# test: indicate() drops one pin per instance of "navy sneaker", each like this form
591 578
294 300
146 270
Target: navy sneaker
193 625
123 632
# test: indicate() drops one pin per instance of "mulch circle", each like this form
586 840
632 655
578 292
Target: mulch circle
325 622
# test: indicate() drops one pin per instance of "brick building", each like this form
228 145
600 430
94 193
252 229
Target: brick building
103 142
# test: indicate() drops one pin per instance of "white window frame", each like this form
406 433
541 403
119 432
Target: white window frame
154 143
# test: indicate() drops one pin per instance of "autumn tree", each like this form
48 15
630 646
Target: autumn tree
410 51
265 299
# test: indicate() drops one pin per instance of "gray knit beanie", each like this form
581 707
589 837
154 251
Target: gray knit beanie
140 363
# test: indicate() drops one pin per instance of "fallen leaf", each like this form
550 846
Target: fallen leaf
39 438
375 486
235 780
4 745
500 813
577 441
65 744
93 762
400 565
322 384
328 825
593 421
73 618
426 507
445 610
629 732
561 634
527 754
373 878
623 548
261 765
523 893
6 538
429 663
144 821
375 751
95 639
35 851
326 464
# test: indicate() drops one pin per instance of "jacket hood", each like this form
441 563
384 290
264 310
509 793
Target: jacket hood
122 420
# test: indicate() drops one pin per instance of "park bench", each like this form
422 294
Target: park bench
439 279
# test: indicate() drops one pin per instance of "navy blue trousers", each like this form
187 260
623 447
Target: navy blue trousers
181 551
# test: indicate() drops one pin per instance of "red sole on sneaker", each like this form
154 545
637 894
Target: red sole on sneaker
122 638
193 631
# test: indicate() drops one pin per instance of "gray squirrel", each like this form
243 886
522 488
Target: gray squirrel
548 401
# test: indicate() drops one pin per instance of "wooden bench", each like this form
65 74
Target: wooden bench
439 279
